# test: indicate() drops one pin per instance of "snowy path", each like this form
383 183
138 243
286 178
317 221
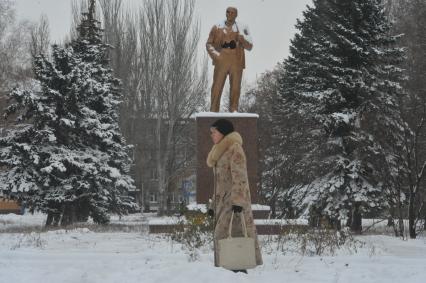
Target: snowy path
84 256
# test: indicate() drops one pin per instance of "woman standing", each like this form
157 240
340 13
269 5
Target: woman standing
232 193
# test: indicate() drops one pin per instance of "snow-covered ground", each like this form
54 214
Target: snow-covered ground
82 255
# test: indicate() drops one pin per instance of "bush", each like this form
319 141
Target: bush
194 232
29 240
305 240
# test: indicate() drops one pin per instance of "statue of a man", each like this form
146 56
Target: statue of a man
225 45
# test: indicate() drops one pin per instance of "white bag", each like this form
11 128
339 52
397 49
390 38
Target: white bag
239 252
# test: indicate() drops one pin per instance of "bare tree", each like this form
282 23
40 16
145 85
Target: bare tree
7 15
278 152
122 32
155 56
40 37
14 56
271 181
172 85
409 17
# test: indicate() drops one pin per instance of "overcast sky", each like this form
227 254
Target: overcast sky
271 23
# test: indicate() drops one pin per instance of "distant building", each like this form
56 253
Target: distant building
181 189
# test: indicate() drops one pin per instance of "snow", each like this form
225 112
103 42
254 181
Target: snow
82 255
67 122
225 114
195 206
54 165
28 220
165 220
114 173
281 222
260 207
345 117
175 220
203 207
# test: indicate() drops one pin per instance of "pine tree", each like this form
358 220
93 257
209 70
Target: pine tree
69 159
341 86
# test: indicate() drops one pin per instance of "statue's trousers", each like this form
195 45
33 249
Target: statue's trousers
227 63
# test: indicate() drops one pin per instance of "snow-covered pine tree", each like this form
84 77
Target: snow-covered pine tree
70 159
340 86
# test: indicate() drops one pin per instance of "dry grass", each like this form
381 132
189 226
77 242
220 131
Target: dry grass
124 228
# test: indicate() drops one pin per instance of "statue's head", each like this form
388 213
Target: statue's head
231 14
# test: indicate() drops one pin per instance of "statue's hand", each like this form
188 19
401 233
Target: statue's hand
241 38
216 56
244 42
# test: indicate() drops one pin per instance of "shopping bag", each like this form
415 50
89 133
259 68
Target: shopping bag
237 253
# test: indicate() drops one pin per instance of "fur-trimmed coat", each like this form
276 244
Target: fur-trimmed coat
228 161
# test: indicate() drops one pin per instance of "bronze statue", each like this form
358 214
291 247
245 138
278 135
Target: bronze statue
225 45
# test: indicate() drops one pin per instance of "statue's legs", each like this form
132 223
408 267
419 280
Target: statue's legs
235 75
219 77
226 64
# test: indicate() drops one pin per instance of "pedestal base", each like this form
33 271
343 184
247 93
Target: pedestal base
246 125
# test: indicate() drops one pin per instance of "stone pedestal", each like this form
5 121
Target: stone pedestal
246 125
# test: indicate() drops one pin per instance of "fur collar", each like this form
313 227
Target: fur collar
219 149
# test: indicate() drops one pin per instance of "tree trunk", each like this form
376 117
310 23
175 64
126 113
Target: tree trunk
68 215
165 158
53 216
314 220
356 225
411 216
337 224
82 212
142 197
424 223
272 204
160 173
49 220
400 217
391 222
349 220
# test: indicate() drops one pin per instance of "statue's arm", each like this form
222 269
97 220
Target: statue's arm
246 40
213 53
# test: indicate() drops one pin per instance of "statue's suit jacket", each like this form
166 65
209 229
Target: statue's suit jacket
218 36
